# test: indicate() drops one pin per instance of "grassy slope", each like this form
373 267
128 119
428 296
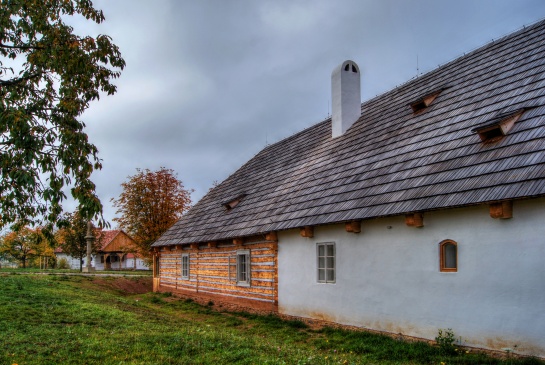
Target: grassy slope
76 320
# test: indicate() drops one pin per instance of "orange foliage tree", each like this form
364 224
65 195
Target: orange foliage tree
22 245
151 202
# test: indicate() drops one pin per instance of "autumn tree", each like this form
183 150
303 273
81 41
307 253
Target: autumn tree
22 244
48 76
151 202
72 238
44 254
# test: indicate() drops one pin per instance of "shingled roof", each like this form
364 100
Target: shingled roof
394 160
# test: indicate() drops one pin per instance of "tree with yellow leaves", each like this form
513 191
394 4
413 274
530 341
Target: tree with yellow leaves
22 244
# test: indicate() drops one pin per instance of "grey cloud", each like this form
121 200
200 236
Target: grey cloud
208 82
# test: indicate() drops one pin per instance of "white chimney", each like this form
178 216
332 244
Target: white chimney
346 97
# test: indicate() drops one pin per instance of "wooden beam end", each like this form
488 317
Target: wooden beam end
354 226
307 231
414 220
501 210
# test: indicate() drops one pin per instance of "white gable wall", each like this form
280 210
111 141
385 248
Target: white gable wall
73 262
388 278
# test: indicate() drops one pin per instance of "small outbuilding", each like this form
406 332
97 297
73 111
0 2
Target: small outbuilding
117 252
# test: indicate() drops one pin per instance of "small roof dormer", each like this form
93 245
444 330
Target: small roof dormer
231 203
422 103
499 126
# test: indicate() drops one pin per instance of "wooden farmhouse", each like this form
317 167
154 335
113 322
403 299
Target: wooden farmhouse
420 209
116 252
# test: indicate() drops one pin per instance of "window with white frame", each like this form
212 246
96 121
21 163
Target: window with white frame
243 267
185 266
326 262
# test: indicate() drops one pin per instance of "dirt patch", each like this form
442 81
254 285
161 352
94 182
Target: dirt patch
126 285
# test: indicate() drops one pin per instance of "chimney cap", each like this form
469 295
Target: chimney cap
347 65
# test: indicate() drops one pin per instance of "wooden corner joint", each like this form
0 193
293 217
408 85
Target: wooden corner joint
271 236
414 220
194 246
307 231
502 210
238 241
354 226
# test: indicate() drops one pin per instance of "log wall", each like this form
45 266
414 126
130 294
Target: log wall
212 273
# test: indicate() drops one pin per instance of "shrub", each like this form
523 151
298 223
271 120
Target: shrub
156 300
63 264
445 340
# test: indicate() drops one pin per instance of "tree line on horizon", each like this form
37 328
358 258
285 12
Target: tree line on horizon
150 203
49 75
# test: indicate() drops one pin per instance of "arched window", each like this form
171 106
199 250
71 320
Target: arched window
448 256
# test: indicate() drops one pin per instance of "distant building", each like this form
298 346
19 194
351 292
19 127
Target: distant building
422 208
7 263
114 254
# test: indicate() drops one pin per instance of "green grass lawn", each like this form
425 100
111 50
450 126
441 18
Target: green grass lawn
70 271
61 319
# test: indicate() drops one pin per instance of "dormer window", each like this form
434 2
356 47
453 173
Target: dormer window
424 102
499 127
230 204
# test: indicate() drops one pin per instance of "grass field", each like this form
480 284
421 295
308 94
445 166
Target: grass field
70 271
61 319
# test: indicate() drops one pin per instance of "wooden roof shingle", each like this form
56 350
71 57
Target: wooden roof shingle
393 161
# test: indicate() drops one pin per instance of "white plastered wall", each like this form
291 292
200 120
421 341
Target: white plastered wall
388 277
73 262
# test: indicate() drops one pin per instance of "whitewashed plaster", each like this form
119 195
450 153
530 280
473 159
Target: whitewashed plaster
127 263
345 97
388 277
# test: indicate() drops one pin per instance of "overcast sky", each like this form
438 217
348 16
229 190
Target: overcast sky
209 82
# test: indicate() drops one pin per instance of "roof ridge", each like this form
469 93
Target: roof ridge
502 38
